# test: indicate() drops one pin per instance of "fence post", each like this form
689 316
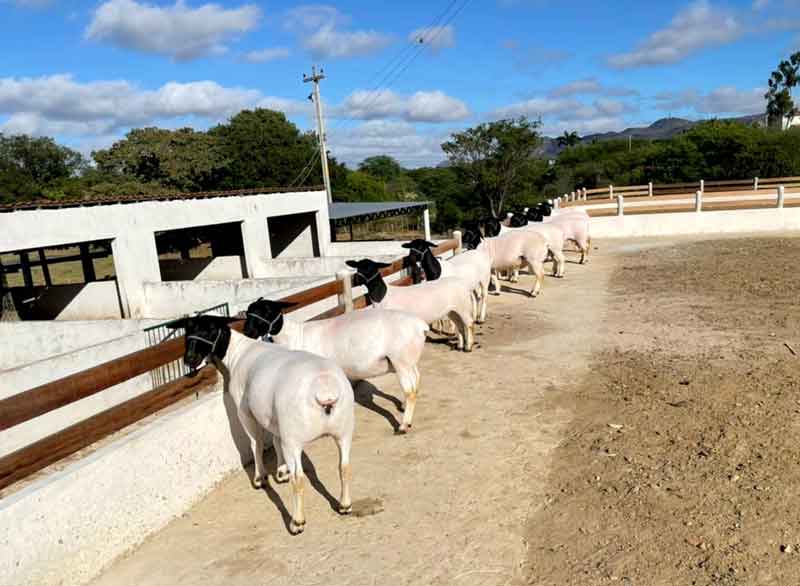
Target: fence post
585 194
346 296
702 185
610 192
781 195
426 223
755 184
650 189
620 205
698 201
572 196
556 203
457 236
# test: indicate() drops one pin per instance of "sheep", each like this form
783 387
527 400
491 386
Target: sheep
430 301
296 396
511 250
575 225
473 266
552 233
365 344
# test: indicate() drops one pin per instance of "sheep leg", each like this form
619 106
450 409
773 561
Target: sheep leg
484 300
513 275
495 283
537 267
558 263
408 382
256 433
293 454
585 250
345 475
282 473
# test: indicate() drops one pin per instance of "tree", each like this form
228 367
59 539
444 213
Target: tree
491 155
264 149
359 186
381 167
33 167
780 104
568 139
182 160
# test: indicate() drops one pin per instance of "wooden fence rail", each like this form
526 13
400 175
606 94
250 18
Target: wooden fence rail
35 402
686 188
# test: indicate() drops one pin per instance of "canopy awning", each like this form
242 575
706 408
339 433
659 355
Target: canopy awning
345 213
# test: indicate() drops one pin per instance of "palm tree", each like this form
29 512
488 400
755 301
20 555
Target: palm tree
569 139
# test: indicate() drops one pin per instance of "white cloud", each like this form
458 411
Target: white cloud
60 105
722 100
579 86
177 31
536 107
400 140
434 37
433 106
265 55
697 26
318 27
589 85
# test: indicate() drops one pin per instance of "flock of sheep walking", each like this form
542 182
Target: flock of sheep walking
294 379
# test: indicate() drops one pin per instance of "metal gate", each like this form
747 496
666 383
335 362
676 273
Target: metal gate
162 332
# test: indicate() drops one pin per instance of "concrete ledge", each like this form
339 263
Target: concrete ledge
686 223
68 526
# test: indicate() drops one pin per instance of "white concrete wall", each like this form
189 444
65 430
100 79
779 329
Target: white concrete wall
175 298
202 269
66 527
30 341
131 228
323 266
720 222
358 249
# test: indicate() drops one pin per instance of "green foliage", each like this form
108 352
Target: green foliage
263 149
32 167
381 167
779 95
182 160
490 156
568 139
360 186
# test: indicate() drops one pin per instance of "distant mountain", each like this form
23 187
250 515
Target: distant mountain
658 130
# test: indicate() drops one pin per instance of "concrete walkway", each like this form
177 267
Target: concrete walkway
446 504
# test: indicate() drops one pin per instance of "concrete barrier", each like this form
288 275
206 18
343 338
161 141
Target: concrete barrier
706 222
67 526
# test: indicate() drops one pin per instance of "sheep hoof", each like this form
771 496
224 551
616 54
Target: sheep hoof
282 475
345 510
258 482
468 349
402 430
296 528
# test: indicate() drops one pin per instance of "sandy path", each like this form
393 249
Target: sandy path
447 504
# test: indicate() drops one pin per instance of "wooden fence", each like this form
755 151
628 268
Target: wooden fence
35 402
728 187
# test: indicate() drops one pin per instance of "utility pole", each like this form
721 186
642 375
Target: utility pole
315 78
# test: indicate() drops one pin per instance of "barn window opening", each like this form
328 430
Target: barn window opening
214 252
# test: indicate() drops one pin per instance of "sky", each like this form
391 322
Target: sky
400 76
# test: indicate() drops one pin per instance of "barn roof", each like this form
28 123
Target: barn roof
343 214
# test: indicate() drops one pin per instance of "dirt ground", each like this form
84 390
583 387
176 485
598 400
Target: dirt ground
680 465
633 425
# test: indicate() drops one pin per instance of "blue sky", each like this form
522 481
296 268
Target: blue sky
87 71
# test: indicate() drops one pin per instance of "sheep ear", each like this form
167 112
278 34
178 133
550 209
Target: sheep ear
222 320
382 265
352 264
406 245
